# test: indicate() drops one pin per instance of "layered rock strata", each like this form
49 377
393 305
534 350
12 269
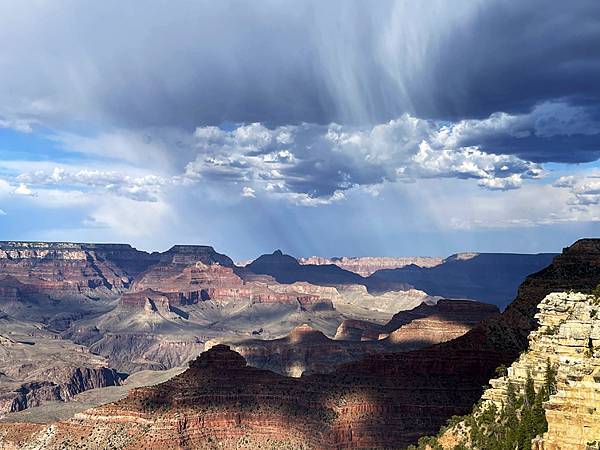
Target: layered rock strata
37 367
383 401
62 268
439 322
367 265
568 341
220 402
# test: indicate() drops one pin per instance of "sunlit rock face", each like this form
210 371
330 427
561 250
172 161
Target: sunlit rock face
569 340
367 265
432 324
188 268
566 343
60 269
57 283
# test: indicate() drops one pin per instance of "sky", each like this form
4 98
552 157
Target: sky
320 128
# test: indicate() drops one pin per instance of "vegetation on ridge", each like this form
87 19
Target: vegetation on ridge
511 427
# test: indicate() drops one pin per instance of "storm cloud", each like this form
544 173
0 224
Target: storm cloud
459 114
276 62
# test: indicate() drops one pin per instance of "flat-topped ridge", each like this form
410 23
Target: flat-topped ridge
41 245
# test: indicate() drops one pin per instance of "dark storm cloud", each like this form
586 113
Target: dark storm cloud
510 55
198 63
164 65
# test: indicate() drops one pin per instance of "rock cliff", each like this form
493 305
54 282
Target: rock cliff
60 282
568 340
554 386
367 265
39 366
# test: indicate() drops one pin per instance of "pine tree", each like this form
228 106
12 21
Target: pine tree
540 424
529 394
550 379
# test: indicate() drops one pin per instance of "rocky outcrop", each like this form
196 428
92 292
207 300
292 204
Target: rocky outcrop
68 383
367 265
432 323
286 269
567 340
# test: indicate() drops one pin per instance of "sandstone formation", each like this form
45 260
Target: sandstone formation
446 320
60 282
62 268
385 400
367 265
568 339
439 322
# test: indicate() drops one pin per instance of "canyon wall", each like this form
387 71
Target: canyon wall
367 265
568 340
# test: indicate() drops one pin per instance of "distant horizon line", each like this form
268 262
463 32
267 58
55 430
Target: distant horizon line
236 260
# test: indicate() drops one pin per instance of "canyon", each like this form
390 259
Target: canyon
306 350
323 321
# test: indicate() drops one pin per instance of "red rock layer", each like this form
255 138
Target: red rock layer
460 312
220 401
383 401
139 300
199 281
60 269
445 320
